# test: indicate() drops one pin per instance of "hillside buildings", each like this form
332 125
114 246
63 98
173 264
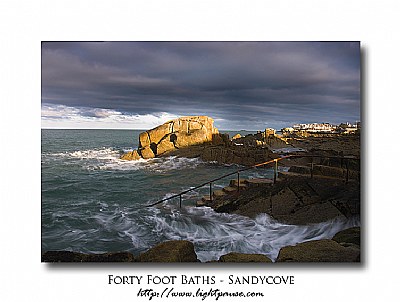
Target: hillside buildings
322 128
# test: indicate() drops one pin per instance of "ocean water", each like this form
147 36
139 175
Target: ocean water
93 202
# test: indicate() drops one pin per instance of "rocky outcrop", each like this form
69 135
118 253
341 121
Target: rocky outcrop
329 144
170 251
244 258
196 136
319 251
132 155
241 155
174 135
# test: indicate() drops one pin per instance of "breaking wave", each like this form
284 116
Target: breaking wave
109 159
215 234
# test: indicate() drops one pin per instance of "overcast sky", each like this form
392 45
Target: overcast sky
242 85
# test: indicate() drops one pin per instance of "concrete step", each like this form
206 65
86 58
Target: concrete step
328 171
255 182
291 174
283 175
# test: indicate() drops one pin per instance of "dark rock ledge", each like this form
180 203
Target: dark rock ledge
344 247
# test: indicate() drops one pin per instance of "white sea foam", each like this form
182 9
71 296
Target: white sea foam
100 154
215 234
109 159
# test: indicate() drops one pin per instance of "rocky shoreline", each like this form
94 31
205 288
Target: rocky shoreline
196 136
298 199
343 247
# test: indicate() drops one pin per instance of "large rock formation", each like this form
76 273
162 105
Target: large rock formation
173 135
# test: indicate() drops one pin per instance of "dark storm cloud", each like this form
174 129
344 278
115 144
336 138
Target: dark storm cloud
246 85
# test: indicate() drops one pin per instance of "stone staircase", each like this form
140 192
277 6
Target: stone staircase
319 171
233 189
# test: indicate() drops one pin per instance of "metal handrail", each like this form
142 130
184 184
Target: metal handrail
252 167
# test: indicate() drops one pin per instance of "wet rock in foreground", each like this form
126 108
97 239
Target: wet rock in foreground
319 251
67 256
345 250
296 200
348 236
170 251
243 258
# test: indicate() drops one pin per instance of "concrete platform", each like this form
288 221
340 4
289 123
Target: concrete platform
254 182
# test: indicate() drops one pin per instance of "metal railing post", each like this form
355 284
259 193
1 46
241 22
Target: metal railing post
347 171
210 191
238 184
312 167
180 201
275 169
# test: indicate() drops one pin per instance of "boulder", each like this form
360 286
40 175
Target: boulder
144 139
244 258
170 251
319 251
348 236
133 155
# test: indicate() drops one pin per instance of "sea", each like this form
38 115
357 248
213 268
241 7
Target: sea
93 202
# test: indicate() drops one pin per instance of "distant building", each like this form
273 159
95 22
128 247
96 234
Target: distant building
315 128
322 128
348 128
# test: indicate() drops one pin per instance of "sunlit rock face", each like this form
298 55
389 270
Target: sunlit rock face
173 135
